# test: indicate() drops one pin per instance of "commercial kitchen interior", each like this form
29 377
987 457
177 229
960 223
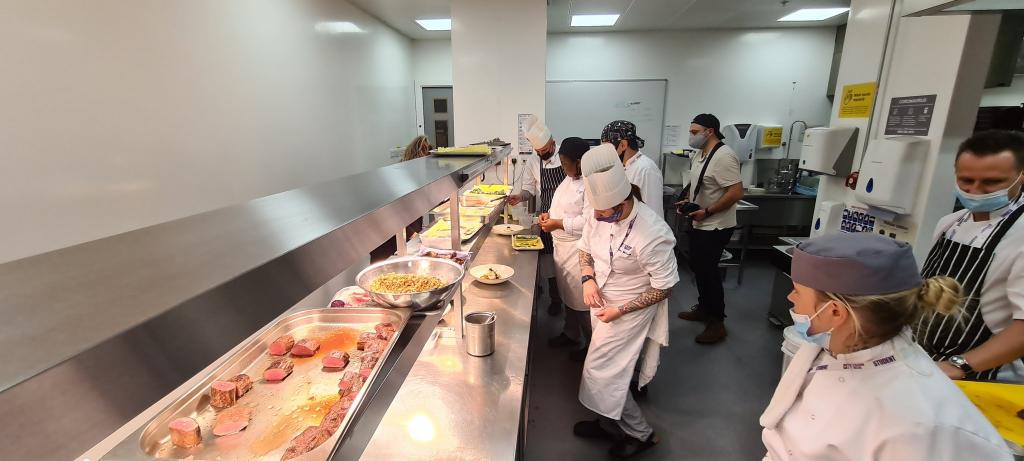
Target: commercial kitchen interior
178 175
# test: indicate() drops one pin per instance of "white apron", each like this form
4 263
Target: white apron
889 402
615 346
568 275
568 204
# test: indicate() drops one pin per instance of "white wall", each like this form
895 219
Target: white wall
1012 95
738 75
431 66
121 114
498 50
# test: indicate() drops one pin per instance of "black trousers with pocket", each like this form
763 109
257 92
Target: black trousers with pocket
706 248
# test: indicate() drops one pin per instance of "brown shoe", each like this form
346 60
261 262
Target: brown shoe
713 333
694 314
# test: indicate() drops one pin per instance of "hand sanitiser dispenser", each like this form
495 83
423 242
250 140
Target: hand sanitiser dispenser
829 150
891 173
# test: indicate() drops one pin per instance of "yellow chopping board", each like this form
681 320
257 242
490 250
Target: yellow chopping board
1000 404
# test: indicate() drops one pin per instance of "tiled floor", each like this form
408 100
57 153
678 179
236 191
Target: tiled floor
705 401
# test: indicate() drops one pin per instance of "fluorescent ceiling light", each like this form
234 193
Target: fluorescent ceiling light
593 20
435 24
337 27
813 14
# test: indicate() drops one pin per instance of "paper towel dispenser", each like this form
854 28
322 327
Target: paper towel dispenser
742 139
891 173
829 150
827 217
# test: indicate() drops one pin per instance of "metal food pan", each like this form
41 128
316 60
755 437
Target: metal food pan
280 411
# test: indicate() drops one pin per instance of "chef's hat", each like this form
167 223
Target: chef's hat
604 177
536 132
855 264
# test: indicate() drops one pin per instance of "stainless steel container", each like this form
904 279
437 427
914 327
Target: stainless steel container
449 272
479 333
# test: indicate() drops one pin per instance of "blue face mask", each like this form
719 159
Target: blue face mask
802 324
614 217
985 203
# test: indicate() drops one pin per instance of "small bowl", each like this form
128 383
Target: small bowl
508 229
504 273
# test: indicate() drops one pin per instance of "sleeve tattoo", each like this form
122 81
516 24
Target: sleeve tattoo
586 260
646 299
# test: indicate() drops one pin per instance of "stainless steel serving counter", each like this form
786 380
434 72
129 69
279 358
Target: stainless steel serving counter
456 406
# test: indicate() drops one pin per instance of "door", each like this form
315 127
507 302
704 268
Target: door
438 119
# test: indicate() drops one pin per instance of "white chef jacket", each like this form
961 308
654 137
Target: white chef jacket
531 181
889 402
642 172
570 205
1002 294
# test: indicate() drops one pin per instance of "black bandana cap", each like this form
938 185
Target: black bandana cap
621 129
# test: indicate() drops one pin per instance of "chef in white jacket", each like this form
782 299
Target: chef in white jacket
640 169
543 175
564 221
859 388
629 270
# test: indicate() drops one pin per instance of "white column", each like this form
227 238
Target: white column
499 50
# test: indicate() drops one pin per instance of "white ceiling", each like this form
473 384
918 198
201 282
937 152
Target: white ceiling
636 14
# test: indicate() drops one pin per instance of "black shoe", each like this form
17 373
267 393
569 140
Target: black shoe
591 430
578 355
629 447
555 308
713 333
694 314
562 341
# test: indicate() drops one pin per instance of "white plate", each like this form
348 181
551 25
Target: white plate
508 229
504 273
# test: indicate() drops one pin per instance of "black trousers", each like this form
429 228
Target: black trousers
705 252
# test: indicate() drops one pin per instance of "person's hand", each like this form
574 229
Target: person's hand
681 203
549 225
544 216
608 314
951 371
698 215
592 295
514 200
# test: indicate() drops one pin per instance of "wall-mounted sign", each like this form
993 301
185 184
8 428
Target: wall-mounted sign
771 136
910 115
857 100
524 144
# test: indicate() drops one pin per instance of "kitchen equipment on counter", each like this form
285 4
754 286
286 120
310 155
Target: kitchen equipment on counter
479 331
448 271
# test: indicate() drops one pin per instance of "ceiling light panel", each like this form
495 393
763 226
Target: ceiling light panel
594 20
813 14
435 24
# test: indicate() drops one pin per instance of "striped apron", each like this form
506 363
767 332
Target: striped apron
944 336
550 178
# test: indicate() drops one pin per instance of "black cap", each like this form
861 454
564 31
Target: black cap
573 148
622 129
709 121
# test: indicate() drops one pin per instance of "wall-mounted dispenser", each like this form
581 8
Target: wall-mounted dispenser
891 173
829 150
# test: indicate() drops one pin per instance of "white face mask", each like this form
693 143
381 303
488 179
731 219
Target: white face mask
697 141
802 323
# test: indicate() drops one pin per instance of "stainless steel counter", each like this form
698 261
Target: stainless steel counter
456 406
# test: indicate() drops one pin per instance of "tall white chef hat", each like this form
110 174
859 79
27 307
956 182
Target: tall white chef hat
536 132
604 177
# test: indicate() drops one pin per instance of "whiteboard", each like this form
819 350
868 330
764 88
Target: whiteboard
583 107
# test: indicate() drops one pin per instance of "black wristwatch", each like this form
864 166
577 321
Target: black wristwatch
588 277
960 362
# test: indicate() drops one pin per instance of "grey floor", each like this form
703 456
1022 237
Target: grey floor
704 402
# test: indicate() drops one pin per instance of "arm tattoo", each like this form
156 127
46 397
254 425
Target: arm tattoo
646 299
586 260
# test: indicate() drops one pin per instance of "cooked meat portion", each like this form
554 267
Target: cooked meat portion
305 348
232 421
243 383
350 383
185 433
305 442
336 359
368 360
365 372
223 394
282 345
385 330
377 345
278 370
365 338
336 415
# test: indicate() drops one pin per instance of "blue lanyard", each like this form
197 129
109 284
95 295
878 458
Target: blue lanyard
611 252
988 227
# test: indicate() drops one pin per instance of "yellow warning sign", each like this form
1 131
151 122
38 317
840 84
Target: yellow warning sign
771 136
857 100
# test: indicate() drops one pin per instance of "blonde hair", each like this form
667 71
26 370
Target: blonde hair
879 318
419 147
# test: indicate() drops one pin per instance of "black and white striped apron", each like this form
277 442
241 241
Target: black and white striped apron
550 178
945 336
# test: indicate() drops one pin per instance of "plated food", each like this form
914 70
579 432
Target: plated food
490 189
527 242
395 283
352 296
459 257
508 229
442 229
492 274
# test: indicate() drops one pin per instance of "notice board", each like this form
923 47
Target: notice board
857 100
910 115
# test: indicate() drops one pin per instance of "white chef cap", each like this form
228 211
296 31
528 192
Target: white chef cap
604 177
536 132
